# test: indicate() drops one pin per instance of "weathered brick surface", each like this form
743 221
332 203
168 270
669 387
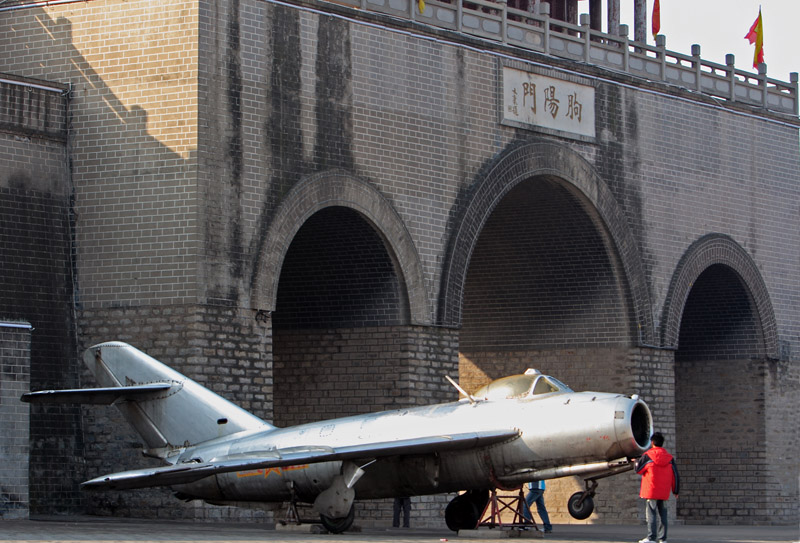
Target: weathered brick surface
15 364
226 350
133 133
207 135
322 374
37 277
356 371
28 111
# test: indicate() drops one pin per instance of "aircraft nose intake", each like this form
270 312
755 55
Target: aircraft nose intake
641 425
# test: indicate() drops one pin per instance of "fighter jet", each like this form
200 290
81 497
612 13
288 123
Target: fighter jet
517 429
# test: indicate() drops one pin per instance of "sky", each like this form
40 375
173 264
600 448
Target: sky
719 26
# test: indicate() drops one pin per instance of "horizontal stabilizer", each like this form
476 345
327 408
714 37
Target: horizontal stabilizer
293 456
97 396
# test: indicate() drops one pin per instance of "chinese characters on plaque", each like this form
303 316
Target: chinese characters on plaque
531 100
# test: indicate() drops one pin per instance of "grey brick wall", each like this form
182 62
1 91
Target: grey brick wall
198 162
362 370
226 350
15 377
37 275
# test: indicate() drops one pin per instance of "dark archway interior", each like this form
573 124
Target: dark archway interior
719 398
543 290
541 279
337 273
338 305
719 321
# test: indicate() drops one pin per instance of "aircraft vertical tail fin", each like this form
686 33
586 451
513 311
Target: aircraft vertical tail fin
183 414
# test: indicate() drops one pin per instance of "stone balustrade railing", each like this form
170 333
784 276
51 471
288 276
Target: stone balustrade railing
497 21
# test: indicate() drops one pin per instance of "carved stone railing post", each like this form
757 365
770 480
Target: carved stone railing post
730 60
587 37
697 64
661 44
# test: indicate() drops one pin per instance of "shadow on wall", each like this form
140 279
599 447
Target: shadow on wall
111 195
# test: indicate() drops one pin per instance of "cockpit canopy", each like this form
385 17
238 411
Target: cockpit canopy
531 383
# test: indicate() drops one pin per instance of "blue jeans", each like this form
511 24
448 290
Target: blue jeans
656 510
537 495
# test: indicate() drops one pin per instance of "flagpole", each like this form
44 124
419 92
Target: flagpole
640 20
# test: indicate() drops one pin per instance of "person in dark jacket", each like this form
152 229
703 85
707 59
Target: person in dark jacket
401 504
659 477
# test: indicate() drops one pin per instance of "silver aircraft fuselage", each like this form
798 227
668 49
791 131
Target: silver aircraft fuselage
520 428
559 430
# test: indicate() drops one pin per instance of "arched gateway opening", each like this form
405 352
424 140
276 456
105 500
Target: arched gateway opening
542 288
350 316
545 289
543 271
339 344
338 286
720 402
720 317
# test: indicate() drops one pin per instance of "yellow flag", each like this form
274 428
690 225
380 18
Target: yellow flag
756 36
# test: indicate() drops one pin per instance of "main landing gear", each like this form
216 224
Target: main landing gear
465 510
477 509
333 523
341 524
581 504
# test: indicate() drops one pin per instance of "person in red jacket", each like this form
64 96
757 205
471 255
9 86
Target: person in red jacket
659 477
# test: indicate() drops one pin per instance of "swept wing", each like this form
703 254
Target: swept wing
193 471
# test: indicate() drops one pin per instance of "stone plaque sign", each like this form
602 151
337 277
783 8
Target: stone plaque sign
547 104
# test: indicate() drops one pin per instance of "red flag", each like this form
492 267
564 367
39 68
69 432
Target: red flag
656 18
756 35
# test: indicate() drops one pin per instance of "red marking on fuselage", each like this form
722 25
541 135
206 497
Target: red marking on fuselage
267 471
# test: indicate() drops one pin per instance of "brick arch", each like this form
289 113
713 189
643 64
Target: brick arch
556 161
707 251
328 189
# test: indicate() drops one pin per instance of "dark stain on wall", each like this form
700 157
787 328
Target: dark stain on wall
36 286
462 116
234 154
618 160
334 96
333 111
283 128
284 124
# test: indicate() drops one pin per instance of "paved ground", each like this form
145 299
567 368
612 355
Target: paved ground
99 529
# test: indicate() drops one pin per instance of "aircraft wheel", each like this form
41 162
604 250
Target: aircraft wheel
579 510
338 525
464 511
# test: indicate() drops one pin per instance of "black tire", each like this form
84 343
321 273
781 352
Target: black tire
338 525
481 499
464 511
580 511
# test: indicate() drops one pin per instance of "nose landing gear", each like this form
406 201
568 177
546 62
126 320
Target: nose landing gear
581 504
